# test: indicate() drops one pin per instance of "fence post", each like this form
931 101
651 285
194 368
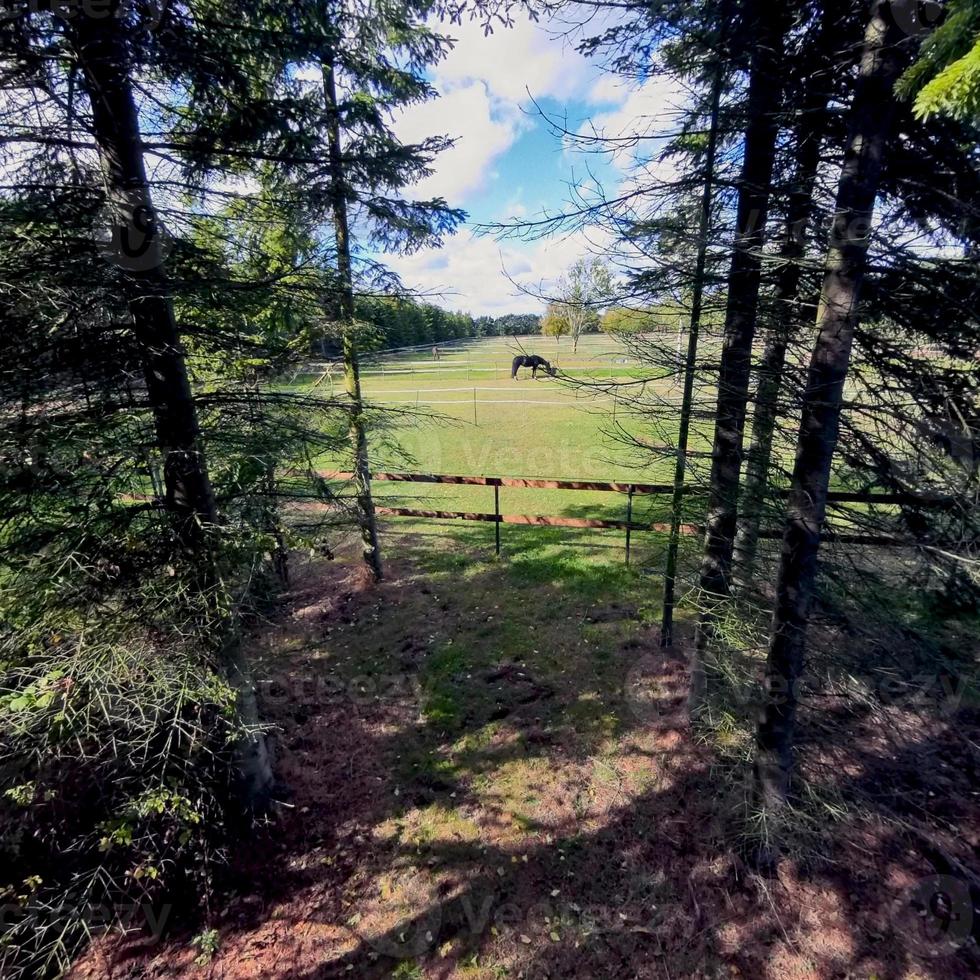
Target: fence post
474 408
629 521
496 514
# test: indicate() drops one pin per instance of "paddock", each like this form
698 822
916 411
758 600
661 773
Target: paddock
464 415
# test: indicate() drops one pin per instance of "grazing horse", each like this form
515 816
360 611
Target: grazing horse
533 362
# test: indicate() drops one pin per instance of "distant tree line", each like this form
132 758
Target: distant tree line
509 325
669 316
400 321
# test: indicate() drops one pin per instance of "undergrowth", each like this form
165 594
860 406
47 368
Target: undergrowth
923 663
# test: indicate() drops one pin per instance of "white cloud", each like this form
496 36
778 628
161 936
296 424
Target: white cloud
649 109
609 89
310 73
654 105
515 208
515 60
481 275
482 129
483 84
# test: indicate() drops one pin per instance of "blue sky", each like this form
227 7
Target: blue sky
507 164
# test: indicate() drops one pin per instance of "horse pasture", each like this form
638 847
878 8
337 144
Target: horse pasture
462 414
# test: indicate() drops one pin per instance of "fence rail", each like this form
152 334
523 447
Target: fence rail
497 517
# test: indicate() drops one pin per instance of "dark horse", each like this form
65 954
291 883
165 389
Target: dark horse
533 362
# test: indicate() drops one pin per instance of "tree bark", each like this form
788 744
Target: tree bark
687 400
872 114
810 133
102 54
137 248
768 26
367 519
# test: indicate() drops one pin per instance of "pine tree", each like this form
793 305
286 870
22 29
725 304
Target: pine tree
872 113
100 49
375 54
769 29
694 333
945 80
820 67
352 376
148 454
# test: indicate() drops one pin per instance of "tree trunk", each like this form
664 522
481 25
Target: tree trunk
872 113
810 132
103 58
137 248
687 400
767 27
352 376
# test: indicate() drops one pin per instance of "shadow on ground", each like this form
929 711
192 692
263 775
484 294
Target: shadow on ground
490 774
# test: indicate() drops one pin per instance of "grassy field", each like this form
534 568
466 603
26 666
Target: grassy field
489 765
464 415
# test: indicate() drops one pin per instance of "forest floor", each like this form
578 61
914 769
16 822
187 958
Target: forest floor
490 774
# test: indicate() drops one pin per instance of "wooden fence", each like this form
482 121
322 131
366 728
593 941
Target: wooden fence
630 490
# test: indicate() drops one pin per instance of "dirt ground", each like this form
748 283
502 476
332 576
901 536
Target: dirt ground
488 772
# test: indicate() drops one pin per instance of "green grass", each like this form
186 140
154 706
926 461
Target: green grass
463 415
569 616
564 433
